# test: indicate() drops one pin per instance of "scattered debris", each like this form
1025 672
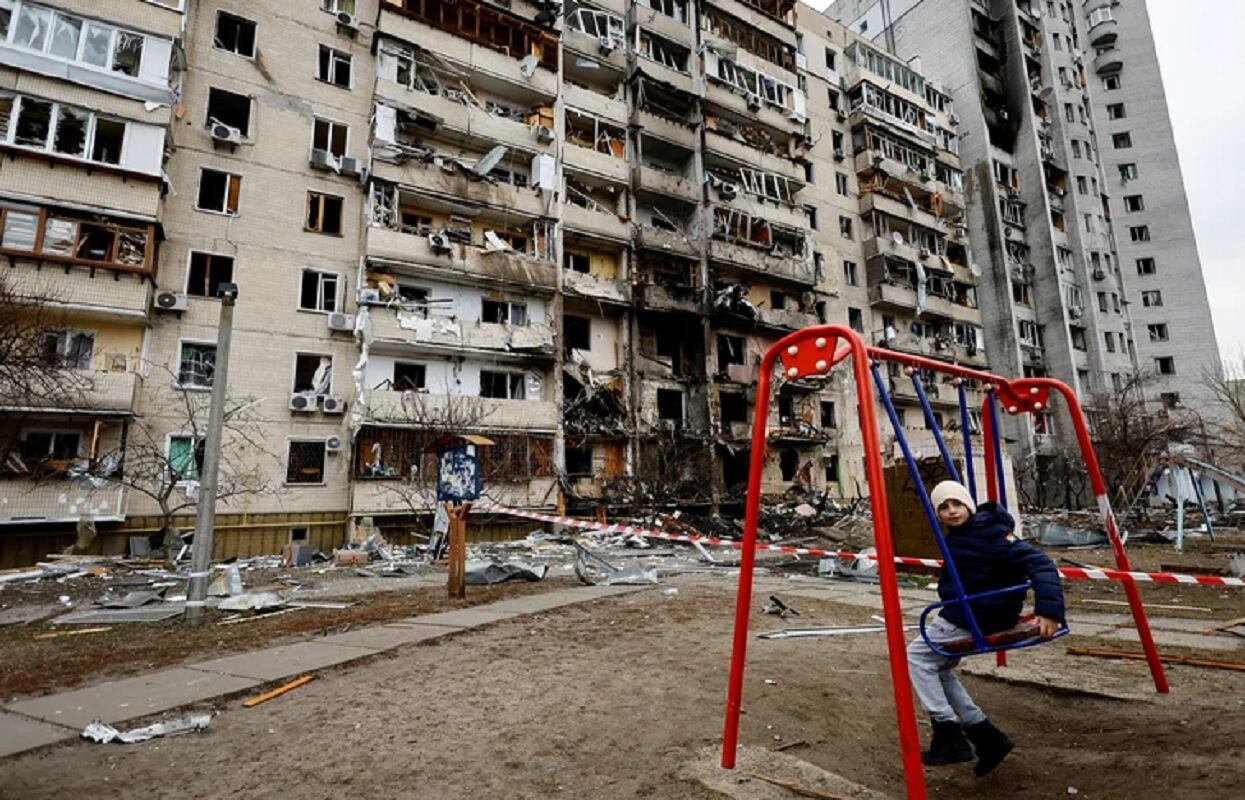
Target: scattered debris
670 591
1147 605
790 745
1236 564
254 601
593 570
79 632
1236 666
779 608
118 615
103 733
277 692
486 573
841 630
131 600
350 558
1054 534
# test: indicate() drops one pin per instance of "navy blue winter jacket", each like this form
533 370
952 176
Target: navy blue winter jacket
986 558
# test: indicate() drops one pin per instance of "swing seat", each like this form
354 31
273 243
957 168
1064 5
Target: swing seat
1025 633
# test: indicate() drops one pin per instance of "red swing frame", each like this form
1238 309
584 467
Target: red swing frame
815 351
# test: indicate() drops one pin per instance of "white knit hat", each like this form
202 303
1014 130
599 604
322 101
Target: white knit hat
950 490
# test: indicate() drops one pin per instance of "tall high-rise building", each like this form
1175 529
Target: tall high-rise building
571 228
1078 215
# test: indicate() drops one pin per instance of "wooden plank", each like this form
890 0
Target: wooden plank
803 791
79 632
277 692
1188 661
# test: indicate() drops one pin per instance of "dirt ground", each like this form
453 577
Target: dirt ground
612 699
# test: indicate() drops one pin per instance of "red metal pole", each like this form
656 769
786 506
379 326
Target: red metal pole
743 599
1113 533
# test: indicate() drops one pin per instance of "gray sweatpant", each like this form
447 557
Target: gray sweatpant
939 691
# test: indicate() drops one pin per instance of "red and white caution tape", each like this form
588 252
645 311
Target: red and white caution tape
1069 573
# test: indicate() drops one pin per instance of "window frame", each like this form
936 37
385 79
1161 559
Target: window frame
337 276
312 196
333 56
250 110
168 457
231 177
332 123
254 34
324 462
190 254
177 372
511 375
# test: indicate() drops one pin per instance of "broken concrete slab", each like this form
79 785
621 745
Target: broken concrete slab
117 701
386 637
706 770
280 662
1200 641
18 733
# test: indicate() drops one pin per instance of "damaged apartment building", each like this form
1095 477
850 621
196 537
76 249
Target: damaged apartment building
572 228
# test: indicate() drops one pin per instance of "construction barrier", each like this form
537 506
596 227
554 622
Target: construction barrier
1069 573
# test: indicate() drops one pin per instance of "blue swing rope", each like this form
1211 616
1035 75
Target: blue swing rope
966 427
991 409
979 641
932 424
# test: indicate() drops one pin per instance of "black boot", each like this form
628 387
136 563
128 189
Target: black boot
991 744
948 745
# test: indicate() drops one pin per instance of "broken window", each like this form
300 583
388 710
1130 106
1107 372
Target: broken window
579 462
34 122
71 131
185 458
329 137
1152 298
665 52
318 291
313 374
502 385
675 9
831 465
234 34
856 320
607 28
408 376
1139 233
576 262
827 414
730 351
504 312
218 191
1122 141
491 27
229 108
109 137
1147 266
68 349
576 333
324 213
788 463
585 130
733 407
1134 203
127 53
207 272
1157 332
333 67
196 365
1128 172
670 406
305 461
1165 365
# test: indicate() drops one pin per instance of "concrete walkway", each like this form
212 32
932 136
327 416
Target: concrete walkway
27 724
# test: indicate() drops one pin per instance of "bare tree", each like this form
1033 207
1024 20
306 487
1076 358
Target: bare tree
1225 421
40 365
162 454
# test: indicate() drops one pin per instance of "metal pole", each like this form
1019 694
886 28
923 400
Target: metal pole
205 513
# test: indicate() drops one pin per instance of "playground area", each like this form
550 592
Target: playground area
622 698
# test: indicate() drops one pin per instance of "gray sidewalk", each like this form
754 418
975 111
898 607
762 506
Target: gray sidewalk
27 724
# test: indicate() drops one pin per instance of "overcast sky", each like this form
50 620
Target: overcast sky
1202 57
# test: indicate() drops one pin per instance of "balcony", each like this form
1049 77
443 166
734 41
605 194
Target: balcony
785 319
680 81
779 29
725 97
657 297
1111 61
615 59
99 392
595 103
59 500
430 179
671 131
894 295
505 269
744 153
668 241
373 496
595 223
770 210
613 290
1104 32
446 333
596 163
669 184
469 121
796 269
79 287
80 183
473 57
528 415
876 201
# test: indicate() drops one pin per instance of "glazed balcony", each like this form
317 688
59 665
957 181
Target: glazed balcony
496 414
394 247
59 500
397 327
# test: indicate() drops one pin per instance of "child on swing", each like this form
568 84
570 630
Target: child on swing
987 556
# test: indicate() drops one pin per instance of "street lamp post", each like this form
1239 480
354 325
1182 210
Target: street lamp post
205 513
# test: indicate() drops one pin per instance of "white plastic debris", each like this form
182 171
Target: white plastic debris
103 733
670 591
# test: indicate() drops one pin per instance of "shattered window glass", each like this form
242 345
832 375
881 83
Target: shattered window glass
65 34
6 114
128 53
95 242
71 127
60 236
33 123
109 136
32 28
132 248
96 45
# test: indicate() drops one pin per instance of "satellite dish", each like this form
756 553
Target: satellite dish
491 159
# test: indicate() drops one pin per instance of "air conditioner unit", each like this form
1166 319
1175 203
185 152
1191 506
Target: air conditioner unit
925 253
754 102
323 159
839 155
841 116
333 444
728 191
341 322
368 296
953 119
348 21
544 133
171 301
302 401
439 242
350 166
334 405
224 133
